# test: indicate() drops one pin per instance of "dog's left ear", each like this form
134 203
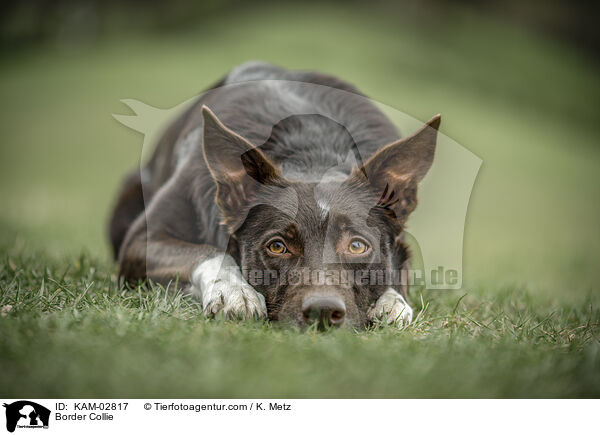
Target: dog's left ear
238 168
395 170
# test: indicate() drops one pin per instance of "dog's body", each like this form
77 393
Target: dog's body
290 173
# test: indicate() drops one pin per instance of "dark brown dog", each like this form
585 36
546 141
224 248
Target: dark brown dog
278 193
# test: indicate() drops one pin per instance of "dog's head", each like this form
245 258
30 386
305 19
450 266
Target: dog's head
318 249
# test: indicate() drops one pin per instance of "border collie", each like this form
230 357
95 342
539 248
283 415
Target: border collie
278 194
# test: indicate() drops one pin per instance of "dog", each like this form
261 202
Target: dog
287 175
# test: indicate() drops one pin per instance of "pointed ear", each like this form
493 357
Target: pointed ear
238 168
396 169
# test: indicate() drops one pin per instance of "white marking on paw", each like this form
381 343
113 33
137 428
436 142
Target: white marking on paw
391 308
219 284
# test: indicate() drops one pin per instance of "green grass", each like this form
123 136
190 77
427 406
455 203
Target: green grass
74 326
525 324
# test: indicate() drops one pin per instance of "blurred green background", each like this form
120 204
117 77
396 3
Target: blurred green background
516 84
517 93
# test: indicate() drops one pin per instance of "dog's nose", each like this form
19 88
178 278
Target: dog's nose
324 310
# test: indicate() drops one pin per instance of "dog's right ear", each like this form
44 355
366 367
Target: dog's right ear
238 168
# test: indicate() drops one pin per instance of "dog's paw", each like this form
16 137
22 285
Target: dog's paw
236 300
223 290
391 308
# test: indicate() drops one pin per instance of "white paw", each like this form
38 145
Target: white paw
222 289
391 308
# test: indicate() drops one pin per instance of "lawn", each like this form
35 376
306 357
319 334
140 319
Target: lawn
525 324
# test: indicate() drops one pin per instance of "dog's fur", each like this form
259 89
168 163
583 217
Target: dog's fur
267 152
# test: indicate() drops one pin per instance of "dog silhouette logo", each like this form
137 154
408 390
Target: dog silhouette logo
26 414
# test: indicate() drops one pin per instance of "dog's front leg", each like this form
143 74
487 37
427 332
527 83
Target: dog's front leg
391 308
208 274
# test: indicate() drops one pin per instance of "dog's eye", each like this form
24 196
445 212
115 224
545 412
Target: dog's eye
277 247
357 247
